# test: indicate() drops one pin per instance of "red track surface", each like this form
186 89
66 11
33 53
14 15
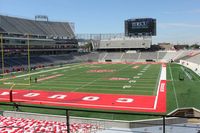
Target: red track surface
138 103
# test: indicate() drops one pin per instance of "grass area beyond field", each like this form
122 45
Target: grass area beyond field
182 93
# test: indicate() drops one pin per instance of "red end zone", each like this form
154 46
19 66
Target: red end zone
138 103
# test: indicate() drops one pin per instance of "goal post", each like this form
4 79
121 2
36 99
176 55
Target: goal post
2 56
9 73
29 61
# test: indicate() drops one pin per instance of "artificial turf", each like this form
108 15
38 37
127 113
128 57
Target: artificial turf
78 78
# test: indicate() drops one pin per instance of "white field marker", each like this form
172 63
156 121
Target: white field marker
132 81
126 86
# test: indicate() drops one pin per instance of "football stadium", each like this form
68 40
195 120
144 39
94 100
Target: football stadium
53 80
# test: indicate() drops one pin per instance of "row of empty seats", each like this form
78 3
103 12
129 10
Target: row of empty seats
45 60
46 28
130 57
113 56
21 125
194 59
125 43
149 55
163 56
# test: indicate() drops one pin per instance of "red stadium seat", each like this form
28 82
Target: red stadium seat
21 125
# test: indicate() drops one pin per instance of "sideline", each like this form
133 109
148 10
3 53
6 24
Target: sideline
186 73
173 86
162 77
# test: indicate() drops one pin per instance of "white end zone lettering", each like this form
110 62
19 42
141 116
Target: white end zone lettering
90 98
125 100
57 96
7 93
162 87
31 94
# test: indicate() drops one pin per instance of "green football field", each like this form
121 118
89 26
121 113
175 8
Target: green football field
96 78
112 79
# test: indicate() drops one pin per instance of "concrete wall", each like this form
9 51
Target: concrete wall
103 123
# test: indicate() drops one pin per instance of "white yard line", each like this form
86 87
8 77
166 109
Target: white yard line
98 79
85 85
193 74
157 82
186 73
44 71
173 86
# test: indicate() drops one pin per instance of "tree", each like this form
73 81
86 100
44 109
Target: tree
89 47
195 46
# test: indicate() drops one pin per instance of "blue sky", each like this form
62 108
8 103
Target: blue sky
178 20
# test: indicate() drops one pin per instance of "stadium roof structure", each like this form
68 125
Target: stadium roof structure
14 25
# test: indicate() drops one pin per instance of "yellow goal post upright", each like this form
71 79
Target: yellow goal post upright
6 79
2 56
29 58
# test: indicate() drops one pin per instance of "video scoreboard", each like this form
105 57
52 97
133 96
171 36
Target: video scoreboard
140 27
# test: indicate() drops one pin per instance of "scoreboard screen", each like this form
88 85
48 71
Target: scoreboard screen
140 27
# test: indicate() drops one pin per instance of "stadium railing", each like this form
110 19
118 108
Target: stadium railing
139 122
